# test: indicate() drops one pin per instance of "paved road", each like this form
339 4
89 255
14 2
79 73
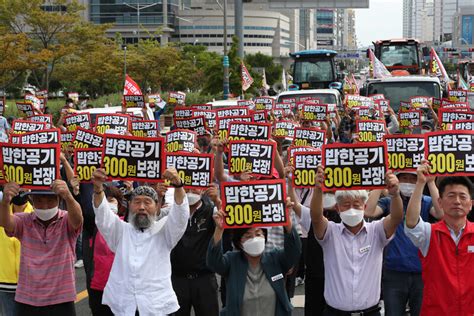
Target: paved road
82 307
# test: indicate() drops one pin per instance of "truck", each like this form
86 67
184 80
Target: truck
315 69
400 54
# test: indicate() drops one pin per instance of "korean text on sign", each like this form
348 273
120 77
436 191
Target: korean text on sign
306 164
195 170
405 152
180 140
86 161
254 157
87 139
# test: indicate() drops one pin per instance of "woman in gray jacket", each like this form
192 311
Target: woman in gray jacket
256 279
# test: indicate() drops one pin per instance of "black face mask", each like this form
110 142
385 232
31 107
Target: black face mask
20 199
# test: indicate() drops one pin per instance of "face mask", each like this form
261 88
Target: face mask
46 214
19 200
193 198
113 207
254 247
352 217
406 189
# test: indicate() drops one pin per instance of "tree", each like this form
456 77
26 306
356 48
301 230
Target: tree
14 57
273 71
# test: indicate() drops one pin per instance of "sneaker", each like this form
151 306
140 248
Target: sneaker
79 264
299 281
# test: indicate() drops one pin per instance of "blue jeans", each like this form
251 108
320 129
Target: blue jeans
400 288
7 304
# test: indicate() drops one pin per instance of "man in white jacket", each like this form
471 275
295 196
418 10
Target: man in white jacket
140 279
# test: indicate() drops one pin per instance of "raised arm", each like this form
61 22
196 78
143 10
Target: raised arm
74 211
215 259
414 205
320 223
7 220
436 211
372 210
391 222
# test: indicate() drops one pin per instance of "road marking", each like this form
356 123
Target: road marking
81 295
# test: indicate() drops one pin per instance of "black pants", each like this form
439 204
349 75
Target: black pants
314 303
302 264
199 292
95 304
63 309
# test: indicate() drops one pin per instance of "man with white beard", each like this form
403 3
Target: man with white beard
140 279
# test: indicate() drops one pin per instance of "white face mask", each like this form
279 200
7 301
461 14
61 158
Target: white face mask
193 198
46 214
254 247
406 189
352 217
113 207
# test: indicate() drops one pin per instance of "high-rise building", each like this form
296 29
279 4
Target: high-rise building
326 21
407 18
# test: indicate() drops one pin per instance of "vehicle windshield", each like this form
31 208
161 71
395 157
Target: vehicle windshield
399 55
403 91
313 70
325 98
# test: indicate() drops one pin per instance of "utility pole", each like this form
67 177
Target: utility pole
138 7
239 26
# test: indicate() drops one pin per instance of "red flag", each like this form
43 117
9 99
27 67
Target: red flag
247 80
131 87
437 68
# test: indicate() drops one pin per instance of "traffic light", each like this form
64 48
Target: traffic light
447 49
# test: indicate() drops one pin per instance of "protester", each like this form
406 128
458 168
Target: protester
255 279
353 249
46 283
445 247
10 258
401 280
140 279
4 129
195 285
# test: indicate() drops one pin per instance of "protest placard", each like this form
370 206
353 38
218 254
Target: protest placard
315 112
209 116
248 103
259 116
133 158
222 124
466 125
133 101
454 104
370 130
183 112
450 153
232 111
447 116
409 118
42 118
196 124
75 120
384 105
354 166
195 170
405 152
254 157
457 95
24 126
353 101
292 150
264 103
248 131
180 140
87 139
26 108
285 129
367 113
310 136
420 102
47 136
306 164
86 161
202 107
118 122
145 128
178 98
254 203
284 109
376 97
30 166
66 139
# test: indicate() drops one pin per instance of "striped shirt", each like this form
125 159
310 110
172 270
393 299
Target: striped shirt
47 260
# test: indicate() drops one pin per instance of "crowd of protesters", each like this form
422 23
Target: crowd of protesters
155 249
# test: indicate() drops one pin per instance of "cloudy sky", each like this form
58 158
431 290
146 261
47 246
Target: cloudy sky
383 20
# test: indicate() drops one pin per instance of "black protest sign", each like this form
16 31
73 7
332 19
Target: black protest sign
457 95
405 152
405 106
354 166
178 98
450 153
118 122
354 101
284 129
313 137
31 166
133 101
42 118
315 112
466 125
180 140
145 128
248 103
209 115
87 139
306 165
370 130
447 116
35 102
24 126
409 118
254 203
195 124
420 102
66 139
249 131
73 121
183 112
259 116
195 170
86 161
264 103
384 105
368 113
133 158
232 111
223 124
47 136
26 108
254 157
451 104
283 108
292 150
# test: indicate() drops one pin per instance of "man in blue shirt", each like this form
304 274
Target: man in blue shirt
401 281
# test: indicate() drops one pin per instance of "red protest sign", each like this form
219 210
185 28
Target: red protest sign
306 165
194 169
254 157
180 140
405 152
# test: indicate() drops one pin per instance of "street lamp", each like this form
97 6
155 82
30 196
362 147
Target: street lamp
300 45
138 7
124 47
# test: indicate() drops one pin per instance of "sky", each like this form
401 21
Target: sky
382 20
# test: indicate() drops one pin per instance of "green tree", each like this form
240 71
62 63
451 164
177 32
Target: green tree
273 71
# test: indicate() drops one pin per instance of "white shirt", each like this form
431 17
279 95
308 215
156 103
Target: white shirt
141 272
